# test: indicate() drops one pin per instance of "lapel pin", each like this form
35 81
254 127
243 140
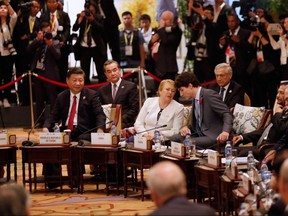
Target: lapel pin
230 91
122 86
84 97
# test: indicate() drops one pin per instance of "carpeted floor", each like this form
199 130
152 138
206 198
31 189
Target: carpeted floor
91 202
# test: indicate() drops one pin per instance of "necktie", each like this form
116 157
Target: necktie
114 91
31 24
222 90
72 113
264 134
53 22
197 116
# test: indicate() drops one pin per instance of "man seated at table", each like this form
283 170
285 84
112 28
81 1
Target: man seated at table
79 110
167 184
230 91
211 118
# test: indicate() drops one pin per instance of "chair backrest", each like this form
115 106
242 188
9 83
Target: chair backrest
247 101
265 119
113 113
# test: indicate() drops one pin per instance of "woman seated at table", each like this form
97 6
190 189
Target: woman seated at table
159 111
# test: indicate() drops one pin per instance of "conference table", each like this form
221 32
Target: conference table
8 158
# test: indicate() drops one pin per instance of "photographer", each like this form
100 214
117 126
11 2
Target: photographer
60 27
90 41
281 44
264 65
169 35
202 47
236 51
46 53
26 29
7 58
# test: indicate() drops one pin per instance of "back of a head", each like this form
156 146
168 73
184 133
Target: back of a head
14 200
166 179
185 78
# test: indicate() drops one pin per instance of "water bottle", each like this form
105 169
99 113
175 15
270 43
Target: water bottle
228 154
187 144
56 128
156 139
113 130
250 165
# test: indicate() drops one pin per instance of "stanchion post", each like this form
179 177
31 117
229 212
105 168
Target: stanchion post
140 87
31 99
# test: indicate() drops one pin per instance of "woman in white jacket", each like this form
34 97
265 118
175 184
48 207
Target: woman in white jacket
159 111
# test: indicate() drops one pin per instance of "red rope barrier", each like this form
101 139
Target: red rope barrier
153 76
50 81
12 82
208 83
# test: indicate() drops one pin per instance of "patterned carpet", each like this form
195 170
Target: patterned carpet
91 202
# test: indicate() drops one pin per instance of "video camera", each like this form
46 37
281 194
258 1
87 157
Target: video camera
25 5
86 6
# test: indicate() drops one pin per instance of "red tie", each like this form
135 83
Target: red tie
53 22
72 113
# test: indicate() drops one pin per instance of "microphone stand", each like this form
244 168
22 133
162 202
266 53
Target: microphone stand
152 129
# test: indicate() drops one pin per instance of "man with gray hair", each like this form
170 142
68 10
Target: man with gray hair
230 91
14 200
167 184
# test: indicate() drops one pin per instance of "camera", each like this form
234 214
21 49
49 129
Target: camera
87 12
8 44
201 48
48 35
25 5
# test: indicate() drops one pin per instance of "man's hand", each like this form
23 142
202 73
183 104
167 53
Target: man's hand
270 156
100 130
184 131
45 130
222 137
236 139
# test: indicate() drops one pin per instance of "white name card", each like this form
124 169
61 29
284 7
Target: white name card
51 138
177 149
101 138
3 139
213 157
140 142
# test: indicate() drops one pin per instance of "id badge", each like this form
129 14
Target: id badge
39 65
128 50
260 56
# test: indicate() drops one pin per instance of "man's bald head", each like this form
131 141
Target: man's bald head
165 180
167 19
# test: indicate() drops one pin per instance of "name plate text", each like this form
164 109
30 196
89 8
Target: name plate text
177 149
101 138
213 157
51 138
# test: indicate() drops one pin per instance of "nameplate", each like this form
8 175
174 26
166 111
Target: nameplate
104 139
177 149
51 138
213 158
141 142
246 182
7 139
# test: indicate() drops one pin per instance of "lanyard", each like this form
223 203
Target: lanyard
158 116
126 39
87 27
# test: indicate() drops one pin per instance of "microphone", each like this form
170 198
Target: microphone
157 127
32 143
84 140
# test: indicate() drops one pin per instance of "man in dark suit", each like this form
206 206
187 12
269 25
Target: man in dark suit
230 91
84 117
91 40
89 113
169 36
167 184
126 93
236 51
211 118
111 23
60 22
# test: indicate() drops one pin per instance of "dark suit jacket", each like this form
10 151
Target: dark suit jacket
234 93
166 60
63 20
179 205
127 96
52 55
280 125
90 112
215 117
110 12
97 31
